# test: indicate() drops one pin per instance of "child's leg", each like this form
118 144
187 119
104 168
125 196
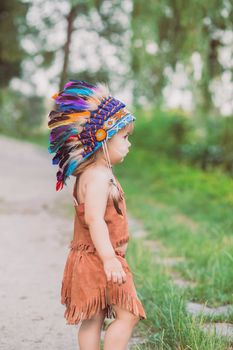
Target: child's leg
90 332
120 330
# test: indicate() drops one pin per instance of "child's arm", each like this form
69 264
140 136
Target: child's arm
96 197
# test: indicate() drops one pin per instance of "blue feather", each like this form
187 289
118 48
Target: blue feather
73 164
70 107
54 146
86 92
56 160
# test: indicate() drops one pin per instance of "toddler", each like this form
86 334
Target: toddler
89 134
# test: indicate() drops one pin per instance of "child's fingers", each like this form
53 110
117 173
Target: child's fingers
119 277
114 276
109 276
123 276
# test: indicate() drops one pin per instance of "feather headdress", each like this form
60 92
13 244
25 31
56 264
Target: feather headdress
86 115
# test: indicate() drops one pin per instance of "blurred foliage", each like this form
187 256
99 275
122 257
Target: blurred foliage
13 26
101 19
177 135
215 148
165 33
20 114
159 35
163 132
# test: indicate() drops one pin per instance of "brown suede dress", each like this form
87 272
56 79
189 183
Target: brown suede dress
85 290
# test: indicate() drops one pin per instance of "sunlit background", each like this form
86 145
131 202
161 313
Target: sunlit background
172 56
171 62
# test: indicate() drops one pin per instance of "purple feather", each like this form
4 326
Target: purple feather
77 108
82 83
68 84
67 97
59 176
73 102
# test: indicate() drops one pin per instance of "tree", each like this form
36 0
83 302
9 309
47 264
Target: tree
169 32
12 26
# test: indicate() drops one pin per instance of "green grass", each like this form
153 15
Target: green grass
218 318
168 325
190 212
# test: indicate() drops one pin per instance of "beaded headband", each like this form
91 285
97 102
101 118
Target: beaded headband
85 118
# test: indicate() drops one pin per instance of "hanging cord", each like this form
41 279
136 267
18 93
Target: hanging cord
106 154
112 180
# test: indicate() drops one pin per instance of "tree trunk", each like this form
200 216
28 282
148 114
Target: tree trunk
70 19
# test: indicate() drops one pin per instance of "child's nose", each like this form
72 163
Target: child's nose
129 144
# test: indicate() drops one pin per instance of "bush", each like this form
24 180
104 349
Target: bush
215 147
176 135
20 115
162 132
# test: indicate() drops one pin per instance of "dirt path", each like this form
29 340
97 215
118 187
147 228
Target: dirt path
33 240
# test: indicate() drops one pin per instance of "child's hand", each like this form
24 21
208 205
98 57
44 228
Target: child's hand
114 270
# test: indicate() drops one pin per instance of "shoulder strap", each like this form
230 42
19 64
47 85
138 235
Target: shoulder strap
119 186
75 191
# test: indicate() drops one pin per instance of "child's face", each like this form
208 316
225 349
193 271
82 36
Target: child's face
118 145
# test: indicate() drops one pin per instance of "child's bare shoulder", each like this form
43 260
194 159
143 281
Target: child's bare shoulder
97 175
97 182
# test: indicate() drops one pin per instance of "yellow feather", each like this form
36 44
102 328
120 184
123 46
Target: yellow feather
80 114
55 95
80 119
68 121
